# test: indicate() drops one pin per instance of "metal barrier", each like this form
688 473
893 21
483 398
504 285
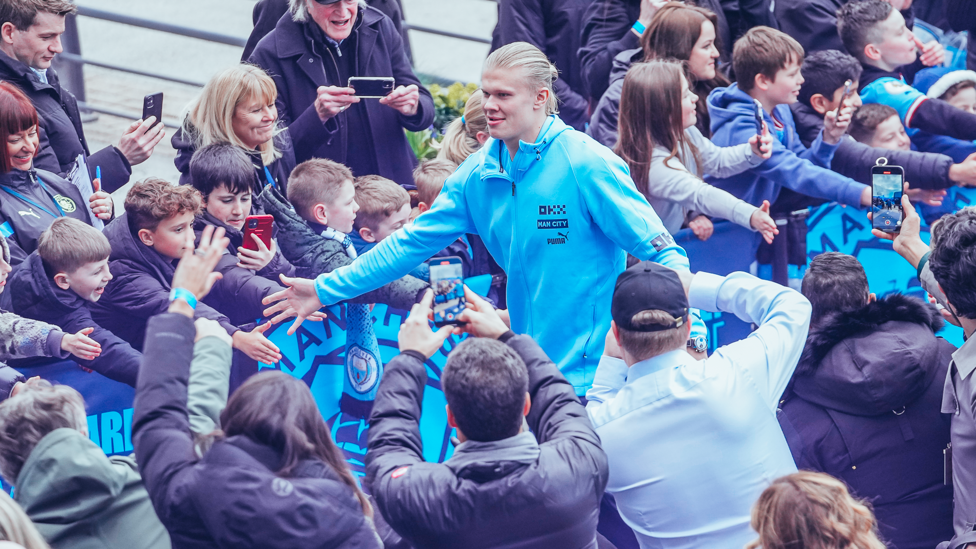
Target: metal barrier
70 63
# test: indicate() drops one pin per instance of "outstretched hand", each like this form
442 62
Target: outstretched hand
298 300
762 222
195 269
932 197
415 333
80 345
762 146
479 318
256 346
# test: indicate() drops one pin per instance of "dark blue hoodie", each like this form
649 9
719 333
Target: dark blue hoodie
792 165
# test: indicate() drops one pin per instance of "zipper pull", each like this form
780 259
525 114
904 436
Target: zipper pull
513 188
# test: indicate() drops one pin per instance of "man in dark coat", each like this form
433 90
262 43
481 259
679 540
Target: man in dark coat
554 27
866 398
314 52
529 471
29 40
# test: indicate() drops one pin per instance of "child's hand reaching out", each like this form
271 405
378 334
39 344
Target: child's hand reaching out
762 146
81 345
256 346
761 222
836 122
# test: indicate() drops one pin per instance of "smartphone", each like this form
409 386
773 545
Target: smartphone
447 281
261 225
887 184
152 105
372 87
847 93
759 116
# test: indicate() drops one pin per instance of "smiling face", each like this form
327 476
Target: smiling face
88 281
254 120
689 117
514 110
172 236
701 62
36 46
337 19
21 148
890 134
785 88
228 207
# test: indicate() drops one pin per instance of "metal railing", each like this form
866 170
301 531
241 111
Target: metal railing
70 63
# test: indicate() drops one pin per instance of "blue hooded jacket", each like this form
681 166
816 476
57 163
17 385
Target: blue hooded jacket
792 165
558 218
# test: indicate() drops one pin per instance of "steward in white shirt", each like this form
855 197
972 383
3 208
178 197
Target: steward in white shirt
692 444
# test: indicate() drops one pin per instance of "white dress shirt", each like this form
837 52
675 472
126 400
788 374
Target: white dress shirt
692 444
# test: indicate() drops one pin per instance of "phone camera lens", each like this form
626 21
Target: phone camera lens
252 223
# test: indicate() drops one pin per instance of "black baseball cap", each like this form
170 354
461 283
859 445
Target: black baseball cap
326 2
648 286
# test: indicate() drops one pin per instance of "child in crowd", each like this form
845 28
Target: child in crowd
466 134
810 510
955 87
875 33
153 233
767 64
429 177
27 338
384 207
825 75
57 283
224 175
878 125
666 154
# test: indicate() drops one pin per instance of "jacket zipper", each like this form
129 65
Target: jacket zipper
515 224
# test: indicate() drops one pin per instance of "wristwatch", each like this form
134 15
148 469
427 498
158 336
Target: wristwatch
698 343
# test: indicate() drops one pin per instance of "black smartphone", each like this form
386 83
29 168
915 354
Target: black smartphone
372 86
887 185
848 88
759 116
152 105
447 281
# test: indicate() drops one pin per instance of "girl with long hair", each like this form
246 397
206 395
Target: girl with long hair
465 134
668 155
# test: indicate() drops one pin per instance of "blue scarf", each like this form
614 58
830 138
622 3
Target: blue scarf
363 364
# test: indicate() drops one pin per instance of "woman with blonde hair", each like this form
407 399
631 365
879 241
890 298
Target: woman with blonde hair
237 106
808 510
465 134
16 526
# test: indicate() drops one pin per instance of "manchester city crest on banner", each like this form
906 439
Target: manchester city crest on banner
361 368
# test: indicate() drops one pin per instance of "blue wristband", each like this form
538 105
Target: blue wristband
185 295
639 28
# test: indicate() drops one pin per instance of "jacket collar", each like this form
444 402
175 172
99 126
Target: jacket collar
870 73
497 161
666 361
17 179
482 458
24 74
965 358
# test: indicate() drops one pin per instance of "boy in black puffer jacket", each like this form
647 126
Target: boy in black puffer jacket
864 404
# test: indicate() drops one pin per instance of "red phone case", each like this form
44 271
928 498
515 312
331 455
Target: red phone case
261 225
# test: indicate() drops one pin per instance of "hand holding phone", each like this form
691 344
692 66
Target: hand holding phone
260 225
372 87
887 187
848 88
447 281
152 105
759 116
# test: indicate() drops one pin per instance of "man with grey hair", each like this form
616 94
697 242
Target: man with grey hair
314 51
692 444
75 494
528 471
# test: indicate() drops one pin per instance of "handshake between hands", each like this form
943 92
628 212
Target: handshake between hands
478 319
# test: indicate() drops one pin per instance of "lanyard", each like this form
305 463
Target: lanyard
271 180
35 204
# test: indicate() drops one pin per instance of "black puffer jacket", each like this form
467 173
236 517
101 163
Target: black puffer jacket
865 407
854 159
61 128
546 498
140 289
232 496
36 296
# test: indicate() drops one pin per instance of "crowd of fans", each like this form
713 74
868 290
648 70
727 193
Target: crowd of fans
586 408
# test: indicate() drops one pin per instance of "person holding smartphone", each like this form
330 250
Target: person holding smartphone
312 54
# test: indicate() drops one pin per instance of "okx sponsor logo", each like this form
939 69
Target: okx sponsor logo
554 209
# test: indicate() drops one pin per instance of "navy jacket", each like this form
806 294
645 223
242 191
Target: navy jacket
8 378
22 222
554 27
36 296
606 33
279 170
61 128
238 294
853 159
231 497
140 289
865 407
296 63
551 500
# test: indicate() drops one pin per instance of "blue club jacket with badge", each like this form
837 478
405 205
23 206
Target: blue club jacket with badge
29 202
558 218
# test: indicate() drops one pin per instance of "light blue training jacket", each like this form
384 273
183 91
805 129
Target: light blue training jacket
558 218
